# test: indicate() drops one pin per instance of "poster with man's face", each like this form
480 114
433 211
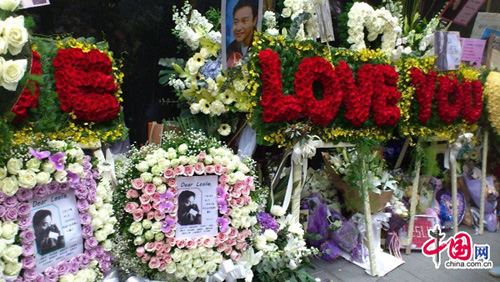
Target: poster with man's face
240 20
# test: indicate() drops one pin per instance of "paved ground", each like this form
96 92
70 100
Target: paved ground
417 267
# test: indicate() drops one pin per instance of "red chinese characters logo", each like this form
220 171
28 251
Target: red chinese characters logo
459 246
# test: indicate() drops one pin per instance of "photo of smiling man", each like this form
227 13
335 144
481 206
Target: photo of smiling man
241 18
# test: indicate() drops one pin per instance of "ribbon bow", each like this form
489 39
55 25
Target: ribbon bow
454 148
106 165
230 272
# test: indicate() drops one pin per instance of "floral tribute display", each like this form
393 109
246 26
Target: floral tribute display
29 97
154 212
79 97
36 237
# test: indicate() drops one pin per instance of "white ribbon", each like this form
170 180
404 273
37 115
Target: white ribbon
106 165
452 151
230 272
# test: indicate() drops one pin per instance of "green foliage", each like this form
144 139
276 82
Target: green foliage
214 17
429 160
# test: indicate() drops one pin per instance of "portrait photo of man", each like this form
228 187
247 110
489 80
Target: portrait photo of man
188 212
241 22
48 237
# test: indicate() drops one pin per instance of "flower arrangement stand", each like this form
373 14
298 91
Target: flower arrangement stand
413 202
483 182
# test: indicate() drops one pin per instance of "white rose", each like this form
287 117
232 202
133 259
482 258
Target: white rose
287 12
9 5
260 242
67 278
243 168
142 166
156 227
60 176
176 255
156 170
136 228
76 168
157 181
151 160
15 34
194 108
14 165
43 178
9 230
139 241
180 272
3 172
12 270
175 162
171 153
192 274
147 177
27 179
161 188
192 160
57 145
270 235
296 228
100 235
183 148
12 72
211 266
48 167
171 268
12 253
277 211
209 160
183 160
9 185
231 167
3 246
163 164
33 165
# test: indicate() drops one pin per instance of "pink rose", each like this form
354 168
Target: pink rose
210 169
241 246
140 251
158 216
236 194
169 173
209 242
233 233
173 190
188 170
149 189
240 237
137 184
171 241
247 200
146 208
223 179
231 242
151 215
138 215
156 196
219 169
181 243
145 258
235 256
232 202
132 194
130 207
245 191
190 244
228 250
167 248
156 205
163 265
199 168
145 199
171 234
179 170
159 245
172 183
154 263
167 258
249 181
217 241
202 155
240 202
150 246
221 247
222 237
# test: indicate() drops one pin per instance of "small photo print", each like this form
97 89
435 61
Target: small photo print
189 212
25 4
48 232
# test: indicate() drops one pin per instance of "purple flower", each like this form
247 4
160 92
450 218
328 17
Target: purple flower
58 160
211 68
85 219
168 224
24 222
23 209
73 176
223 223
63 187
82 205
84 260
74 265
28 249
96 174
221 193
266 221
106 266
28 262
41 191
87 231
51 274
100 251
24 195
167 195
27 236
30 274
92 197
2 196
223 205
92 253
2 211
81 192
89 175
168 206
53 187
91 243
10 202
329 250
10 214
62 268
39 155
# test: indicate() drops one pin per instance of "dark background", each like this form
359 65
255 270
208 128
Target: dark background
139 31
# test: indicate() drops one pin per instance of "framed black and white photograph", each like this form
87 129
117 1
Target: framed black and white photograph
240 20
189 212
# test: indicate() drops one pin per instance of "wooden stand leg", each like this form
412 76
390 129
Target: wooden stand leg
369 226
413 204
297 190
453 167
483 183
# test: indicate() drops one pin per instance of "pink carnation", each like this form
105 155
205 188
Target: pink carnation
137 184
188 170
132 194
130 207
199 168
210 169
